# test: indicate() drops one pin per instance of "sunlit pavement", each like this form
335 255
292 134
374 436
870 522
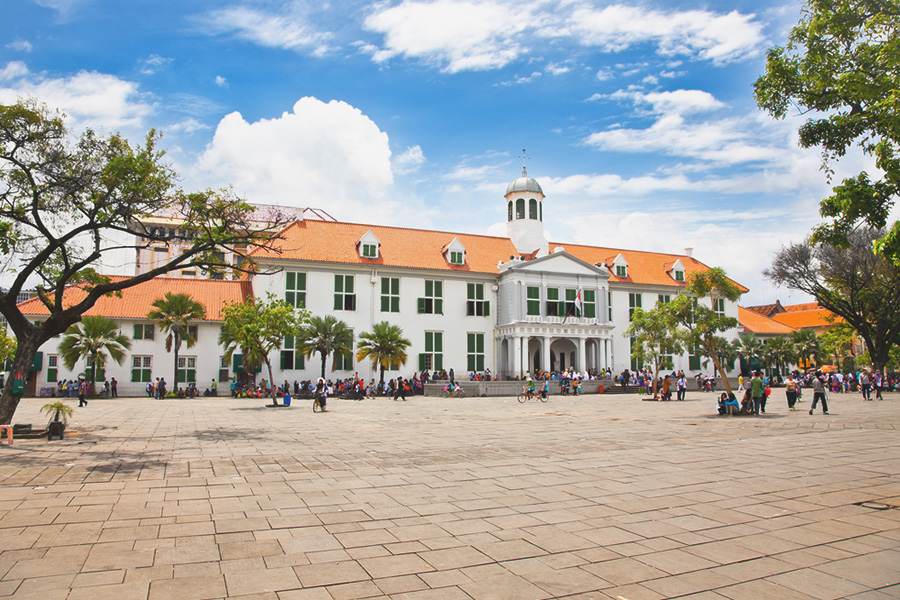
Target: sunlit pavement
591 497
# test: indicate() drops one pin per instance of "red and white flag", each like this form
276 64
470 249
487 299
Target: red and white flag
578 303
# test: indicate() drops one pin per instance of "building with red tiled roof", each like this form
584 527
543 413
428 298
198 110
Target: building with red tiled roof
515 304
761 325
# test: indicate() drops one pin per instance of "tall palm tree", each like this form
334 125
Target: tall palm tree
174 313
93 338
325 335
780 350
807 344
750 347
384 345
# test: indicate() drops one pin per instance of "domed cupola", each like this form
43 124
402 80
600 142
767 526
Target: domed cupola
525 215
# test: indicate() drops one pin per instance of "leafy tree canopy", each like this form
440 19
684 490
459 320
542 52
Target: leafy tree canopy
840 66
257 328
861 287
656 334
384 345
63 198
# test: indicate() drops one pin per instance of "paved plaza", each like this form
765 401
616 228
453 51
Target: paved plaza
597 497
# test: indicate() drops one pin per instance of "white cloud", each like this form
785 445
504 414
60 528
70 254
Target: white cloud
13 70
90 99
221 81
326 155
458 34
187 126
20 45
720 38
287 29
154 63
409 160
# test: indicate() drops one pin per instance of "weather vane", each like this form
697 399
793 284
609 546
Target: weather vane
524 158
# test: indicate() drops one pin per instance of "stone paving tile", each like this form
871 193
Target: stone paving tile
595 497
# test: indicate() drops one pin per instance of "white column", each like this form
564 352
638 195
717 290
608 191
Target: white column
545 353
517 356
582 350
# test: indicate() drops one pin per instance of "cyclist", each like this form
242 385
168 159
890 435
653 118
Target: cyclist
545 390
321 393
529 386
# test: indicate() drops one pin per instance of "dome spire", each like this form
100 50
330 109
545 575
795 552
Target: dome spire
524 158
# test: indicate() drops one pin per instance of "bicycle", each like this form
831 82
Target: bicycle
457 393
530 395
317 406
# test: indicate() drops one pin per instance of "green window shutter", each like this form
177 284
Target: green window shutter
429 288
395 286
570 295
385 285
237 363
135 375
479 291
694 363
438 306
438 361
301 281
338 283
421 362
338 302
290 298
395 304
479 343
438 289
299 361
421 305
291 280
385 304
348 284
286 359
470 362
470 343
470 291
487 309
51 375
479 362
138 332
289 342
429 341
438 341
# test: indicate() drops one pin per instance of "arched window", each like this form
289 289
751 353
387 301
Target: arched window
520 208
532 209
509 210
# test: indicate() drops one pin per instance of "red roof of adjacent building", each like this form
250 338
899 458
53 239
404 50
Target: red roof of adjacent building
807 317
135 302
754 322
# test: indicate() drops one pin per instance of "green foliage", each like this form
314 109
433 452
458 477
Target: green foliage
62 195
656 335
7 346
93 338
174 313
385 346
857 285
702 324
840 64
256 328
58 411
325 335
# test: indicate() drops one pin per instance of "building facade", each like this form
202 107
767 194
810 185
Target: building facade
513 304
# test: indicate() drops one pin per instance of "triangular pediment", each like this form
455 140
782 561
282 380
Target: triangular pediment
562 263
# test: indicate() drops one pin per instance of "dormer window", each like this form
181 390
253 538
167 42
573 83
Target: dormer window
455 252
677 271
621 266
368 245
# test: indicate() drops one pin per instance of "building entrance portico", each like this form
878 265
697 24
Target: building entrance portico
526 354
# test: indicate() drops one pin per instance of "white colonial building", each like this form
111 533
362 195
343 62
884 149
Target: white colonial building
512 304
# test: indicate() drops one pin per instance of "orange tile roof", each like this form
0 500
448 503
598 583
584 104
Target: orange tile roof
336 242
753 322
137 301
807 317
650 268
801 307
325 241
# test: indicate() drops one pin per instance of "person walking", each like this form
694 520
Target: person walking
878 383
682 386
818 393
865 385
791 389
114 388
400 390
757 393
82 392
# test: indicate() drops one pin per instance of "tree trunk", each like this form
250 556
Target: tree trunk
655 378
324 360
175 344
271 382
382 374
725 383
25 351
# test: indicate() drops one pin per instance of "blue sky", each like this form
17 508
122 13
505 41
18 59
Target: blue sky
637 118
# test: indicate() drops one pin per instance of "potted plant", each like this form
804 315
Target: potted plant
61 413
